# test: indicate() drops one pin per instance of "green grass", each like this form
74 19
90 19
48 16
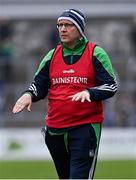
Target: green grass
45 170
124 169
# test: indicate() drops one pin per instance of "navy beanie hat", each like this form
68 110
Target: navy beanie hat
76 17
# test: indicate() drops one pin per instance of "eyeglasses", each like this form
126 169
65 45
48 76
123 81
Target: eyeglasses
67 26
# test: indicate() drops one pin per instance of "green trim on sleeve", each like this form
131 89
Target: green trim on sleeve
97 128
66 140
103 57
45 59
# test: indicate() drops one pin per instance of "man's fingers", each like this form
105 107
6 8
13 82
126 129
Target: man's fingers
88 99
18 108
24 101
81 96
76 97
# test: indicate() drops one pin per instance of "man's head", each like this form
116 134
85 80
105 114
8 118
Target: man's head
71 25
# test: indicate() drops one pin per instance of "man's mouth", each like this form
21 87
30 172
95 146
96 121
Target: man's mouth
63 36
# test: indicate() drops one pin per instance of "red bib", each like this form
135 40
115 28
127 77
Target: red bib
67 80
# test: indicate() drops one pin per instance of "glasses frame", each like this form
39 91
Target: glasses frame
66 25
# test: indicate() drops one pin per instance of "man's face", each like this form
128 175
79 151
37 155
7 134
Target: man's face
68 32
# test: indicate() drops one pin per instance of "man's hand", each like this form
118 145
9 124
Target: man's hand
24 101
81 96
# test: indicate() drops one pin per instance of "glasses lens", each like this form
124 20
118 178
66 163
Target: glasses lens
67 26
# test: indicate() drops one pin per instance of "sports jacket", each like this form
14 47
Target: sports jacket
105 77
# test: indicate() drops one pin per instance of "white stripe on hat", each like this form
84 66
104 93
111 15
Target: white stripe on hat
81 17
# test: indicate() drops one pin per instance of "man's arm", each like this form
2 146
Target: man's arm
38 89
41 83
105 77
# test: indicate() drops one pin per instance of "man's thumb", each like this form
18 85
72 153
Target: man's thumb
29 107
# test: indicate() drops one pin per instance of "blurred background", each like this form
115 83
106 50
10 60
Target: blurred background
27 32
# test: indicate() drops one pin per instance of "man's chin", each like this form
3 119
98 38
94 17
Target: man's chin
64 41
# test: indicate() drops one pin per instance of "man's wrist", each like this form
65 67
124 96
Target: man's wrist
29 93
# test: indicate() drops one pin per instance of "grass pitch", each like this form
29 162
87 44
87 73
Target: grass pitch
124 169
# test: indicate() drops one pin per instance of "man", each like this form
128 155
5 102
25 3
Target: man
77 75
